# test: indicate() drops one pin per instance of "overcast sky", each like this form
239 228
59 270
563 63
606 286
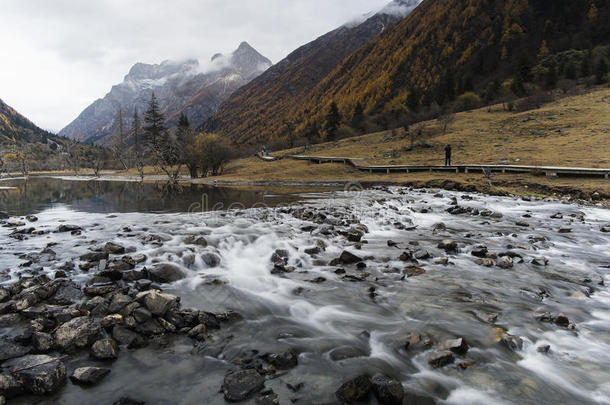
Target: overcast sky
58 56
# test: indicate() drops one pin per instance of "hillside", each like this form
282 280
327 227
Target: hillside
15 125
443 48
269 102
181 87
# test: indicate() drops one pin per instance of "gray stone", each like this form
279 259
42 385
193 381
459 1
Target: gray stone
211 259
40 374
127 337
166 273
355 390
42 342
346 352
105 349
448 245
387 390
513 343
458 346
10 386
441 359
11 350
158 303
77 333
242 385
114 248
89 375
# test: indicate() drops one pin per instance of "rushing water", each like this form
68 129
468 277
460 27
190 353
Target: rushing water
316 309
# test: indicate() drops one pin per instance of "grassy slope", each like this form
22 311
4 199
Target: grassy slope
532 137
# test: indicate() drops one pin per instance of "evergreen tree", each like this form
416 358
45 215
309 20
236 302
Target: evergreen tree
358 117
601 71
551 76
517 86
155 122
585 67
333 120
413 99
570 71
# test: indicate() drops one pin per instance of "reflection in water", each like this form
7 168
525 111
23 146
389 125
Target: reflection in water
20 197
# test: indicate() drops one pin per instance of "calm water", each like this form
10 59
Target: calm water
317 309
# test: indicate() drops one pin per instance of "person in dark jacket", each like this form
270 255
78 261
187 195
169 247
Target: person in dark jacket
448 155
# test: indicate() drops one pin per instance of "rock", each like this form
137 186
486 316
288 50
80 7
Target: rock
413 271
42 342
40 374
211 260
32 218
198 332
522 224
94 256
565 230
114 248
166 273
99 289
77 333
4 295
485 262
282 361
128 401
605 229
10 386
4 215
127 337
562 320
457 346
242 385
313 250
441 359
387 390
89 375
268 399
543 316
479 251
505 262
540 261
110 321
346 352
513 343
543 349
356 390
158 303
449 246
105 349
69 228
348 258
10 350
421 254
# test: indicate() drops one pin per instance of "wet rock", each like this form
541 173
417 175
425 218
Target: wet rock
150 327
4 295
457 346
387 390
10 319
166 273
559 215
67 293
562 320
40 374
605 229
196 240
346 258
565 230
42 342
10 350
543 349
99 289
89 375
421 254
486 262
513 343
441 359
114 248
356 390
313 250
77 333
413 271
94 256
198 332
4 215
128 401
543 316
522 224
141 314
449 246
211 260
268 399
105 349
69 228
127 337
540 261
479 251
346 352
505 262
242 385
440 227
10 386
158 303
282 361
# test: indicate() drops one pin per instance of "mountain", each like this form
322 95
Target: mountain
442 48
260 108
184 86
15 125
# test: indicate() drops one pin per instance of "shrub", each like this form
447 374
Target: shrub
468 101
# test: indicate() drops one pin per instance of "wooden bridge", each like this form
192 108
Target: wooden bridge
551 171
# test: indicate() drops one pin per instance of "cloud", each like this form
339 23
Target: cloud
61 55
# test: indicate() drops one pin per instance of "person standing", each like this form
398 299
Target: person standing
448 155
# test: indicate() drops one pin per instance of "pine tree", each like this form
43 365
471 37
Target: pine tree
135 131
585 67
358 117
333 120
551 76
155 122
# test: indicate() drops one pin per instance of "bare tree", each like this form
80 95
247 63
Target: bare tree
445 121
22 156
119 148
415 132
167 152
73 154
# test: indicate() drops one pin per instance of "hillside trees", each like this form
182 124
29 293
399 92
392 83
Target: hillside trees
333 121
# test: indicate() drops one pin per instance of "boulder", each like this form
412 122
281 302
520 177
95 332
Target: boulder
346 352
114 248
242 385
457 346
158 303
10 386
105 349
40 374
69 228
355 390
540 261
77 333
127 337
348 258
4 295
448 245
505 262
441 359
282 361
166 273
94 256
479 251
387 390
11 350
210 259
413 271
89 375
42 342
513 343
